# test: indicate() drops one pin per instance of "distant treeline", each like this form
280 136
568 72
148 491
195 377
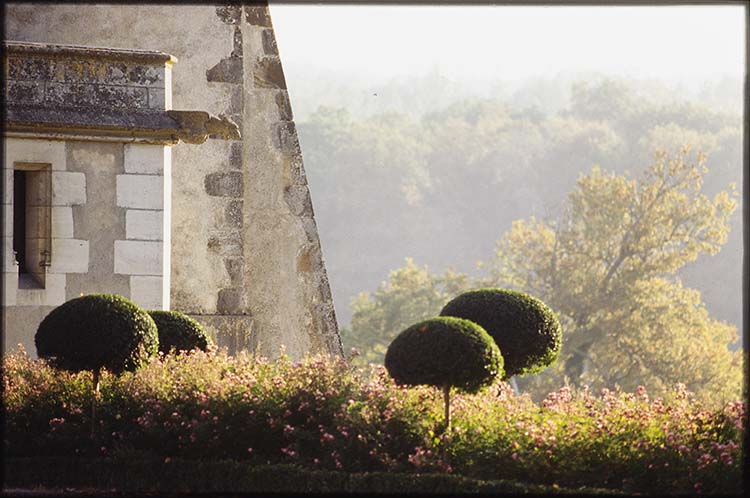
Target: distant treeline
442 178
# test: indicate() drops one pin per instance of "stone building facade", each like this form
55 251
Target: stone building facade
245 257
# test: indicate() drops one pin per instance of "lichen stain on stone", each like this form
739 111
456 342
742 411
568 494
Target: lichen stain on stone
304 262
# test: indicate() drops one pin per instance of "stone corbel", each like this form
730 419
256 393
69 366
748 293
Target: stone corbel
196 126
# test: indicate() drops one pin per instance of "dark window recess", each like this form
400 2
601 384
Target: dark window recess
32 223
19 219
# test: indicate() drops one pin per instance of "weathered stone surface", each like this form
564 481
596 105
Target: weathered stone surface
269 43
298 199
157 99
20 324
62 222
284 106
269 74
296 168
324 287
24 92
285 139
225 243
233 214
36 69
230 301
148 292
235 155
143 158
10 286
68 188
310 259
224 184
230 14
107 96
69 256
138 257
234 332
140 191
51 152
236 102
258 15
9 260
53 293
88 68
235 267
237 42
228 70
143 224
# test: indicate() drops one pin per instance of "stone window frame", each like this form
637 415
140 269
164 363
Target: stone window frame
67 190
38 220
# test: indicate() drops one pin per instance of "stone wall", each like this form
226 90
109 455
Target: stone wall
246 258
100 230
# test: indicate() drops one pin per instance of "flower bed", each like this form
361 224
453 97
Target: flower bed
324 414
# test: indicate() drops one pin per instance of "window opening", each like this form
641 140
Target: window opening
32 223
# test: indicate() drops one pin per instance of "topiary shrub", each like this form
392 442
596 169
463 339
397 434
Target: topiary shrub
95 332
179 332
525 329
444 352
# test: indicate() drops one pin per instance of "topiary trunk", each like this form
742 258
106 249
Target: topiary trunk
94 400
447 400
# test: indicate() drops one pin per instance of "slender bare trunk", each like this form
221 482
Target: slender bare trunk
94 400
447 400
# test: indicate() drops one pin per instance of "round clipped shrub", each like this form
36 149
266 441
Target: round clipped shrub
97 331
444 351
525 329
179 332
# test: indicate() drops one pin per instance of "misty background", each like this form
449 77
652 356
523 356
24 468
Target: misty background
427 130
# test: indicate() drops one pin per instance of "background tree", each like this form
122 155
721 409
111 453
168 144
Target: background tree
411 294
607 267
441 176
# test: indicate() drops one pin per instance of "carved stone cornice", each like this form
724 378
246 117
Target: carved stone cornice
167 127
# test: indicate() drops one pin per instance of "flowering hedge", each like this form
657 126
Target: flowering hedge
324 414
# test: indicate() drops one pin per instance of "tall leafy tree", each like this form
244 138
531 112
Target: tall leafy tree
607 266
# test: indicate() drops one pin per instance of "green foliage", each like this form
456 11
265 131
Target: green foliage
461 169
179 332
442 352
411 294
323 414
97 331
607 266
525 329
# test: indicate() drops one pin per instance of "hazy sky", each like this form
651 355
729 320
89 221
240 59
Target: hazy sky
680 43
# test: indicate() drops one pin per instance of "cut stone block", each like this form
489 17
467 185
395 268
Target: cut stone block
138 257
68 189
140 191
8 186
145 159
7 220
148 292
35 151
144 225
69 256
10 282
8 258
62 222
